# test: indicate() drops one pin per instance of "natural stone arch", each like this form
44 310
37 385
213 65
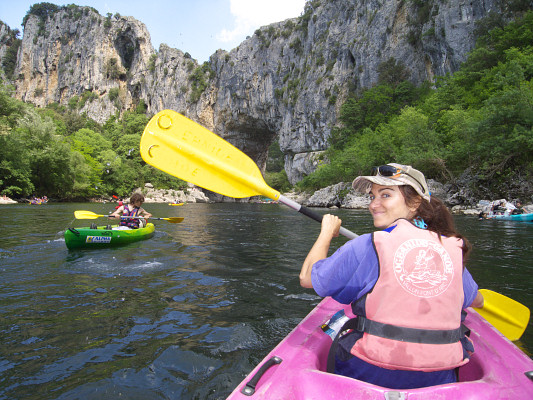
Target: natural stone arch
251 135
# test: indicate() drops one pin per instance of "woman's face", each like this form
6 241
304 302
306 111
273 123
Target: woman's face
387 205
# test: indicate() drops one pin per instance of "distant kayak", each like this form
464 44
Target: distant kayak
513 217
77 238
39 201
295 369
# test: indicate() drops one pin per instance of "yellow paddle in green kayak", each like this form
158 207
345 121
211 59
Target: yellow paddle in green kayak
187 150
80 214
505 314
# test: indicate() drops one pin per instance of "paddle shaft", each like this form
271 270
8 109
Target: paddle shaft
166 219
311 214
127 216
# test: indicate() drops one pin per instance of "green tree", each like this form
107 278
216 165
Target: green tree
49 155
41 10
276 158
15 169
373 107
83 184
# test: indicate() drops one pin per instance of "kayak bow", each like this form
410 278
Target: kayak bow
295 369
513 217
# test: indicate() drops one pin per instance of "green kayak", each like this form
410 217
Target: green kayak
77 238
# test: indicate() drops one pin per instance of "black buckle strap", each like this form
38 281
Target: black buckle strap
412 335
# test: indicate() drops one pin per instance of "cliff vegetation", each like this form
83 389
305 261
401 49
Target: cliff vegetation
477 121
56 152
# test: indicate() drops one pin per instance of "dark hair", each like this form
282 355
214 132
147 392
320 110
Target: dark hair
136 197
435 214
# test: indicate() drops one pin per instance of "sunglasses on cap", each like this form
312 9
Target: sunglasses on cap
388 171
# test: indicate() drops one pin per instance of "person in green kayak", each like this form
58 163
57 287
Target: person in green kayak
133 209
406 283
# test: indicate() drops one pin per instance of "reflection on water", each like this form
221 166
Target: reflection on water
186 314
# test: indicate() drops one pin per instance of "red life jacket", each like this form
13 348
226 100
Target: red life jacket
413 313
131 222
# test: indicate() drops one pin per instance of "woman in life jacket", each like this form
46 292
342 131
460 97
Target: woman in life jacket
133 209
406 283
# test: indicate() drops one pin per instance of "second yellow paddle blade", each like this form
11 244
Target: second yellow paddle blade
507 315
81 214
187 150
174 220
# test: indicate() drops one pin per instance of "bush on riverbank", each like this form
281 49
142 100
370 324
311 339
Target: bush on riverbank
66 156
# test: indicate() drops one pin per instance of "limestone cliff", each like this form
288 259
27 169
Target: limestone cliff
287 81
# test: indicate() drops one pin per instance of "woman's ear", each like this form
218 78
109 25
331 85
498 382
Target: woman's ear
414 207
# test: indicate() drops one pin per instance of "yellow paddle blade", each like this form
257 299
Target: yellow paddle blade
505 314
187 150
173 220
80 214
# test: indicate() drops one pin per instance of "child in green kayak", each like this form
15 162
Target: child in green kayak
133 209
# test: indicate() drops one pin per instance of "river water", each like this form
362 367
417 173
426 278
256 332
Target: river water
188 313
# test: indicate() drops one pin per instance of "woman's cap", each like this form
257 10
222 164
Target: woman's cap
404 175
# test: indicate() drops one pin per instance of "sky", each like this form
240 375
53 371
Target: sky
199 27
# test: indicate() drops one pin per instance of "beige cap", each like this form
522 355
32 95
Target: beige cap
408 176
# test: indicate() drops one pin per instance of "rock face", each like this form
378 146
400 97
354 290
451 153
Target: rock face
4 39
287 81
191 195
342 195
88 62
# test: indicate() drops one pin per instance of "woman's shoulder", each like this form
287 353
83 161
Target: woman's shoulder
360 243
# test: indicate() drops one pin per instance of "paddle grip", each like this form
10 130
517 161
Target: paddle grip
311 214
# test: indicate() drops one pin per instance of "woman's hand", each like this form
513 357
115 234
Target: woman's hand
330 225
330 229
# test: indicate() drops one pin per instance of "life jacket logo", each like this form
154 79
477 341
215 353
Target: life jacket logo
423 267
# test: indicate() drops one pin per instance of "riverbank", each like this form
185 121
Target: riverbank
342 195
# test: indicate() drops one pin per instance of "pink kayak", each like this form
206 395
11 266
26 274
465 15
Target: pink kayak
295 368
